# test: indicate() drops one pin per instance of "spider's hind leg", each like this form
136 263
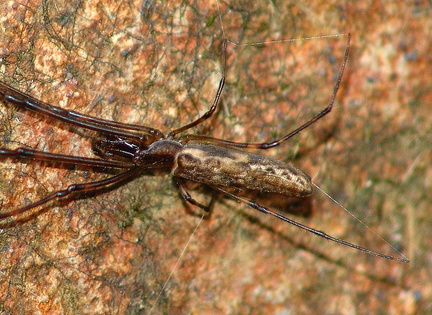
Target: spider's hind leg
253 204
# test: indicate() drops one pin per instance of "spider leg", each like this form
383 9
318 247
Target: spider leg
12 95
30 154
212 109
187 197
275 143
74 188
258 207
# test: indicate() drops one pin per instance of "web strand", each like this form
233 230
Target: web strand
174 269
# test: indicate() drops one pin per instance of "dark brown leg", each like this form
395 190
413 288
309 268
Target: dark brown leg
74 188
187 197
12 95
30 154
256 206
272 144
212 109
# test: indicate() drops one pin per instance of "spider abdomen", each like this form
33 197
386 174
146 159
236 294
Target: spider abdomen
227 167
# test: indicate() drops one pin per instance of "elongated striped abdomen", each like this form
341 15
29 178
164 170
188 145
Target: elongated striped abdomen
226 167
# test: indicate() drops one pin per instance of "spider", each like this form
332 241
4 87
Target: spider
217 163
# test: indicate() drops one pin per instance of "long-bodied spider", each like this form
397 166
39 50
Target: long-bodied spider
217 163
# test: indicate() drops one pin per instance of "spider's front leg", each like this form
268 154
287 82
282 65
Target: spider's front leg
73 189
